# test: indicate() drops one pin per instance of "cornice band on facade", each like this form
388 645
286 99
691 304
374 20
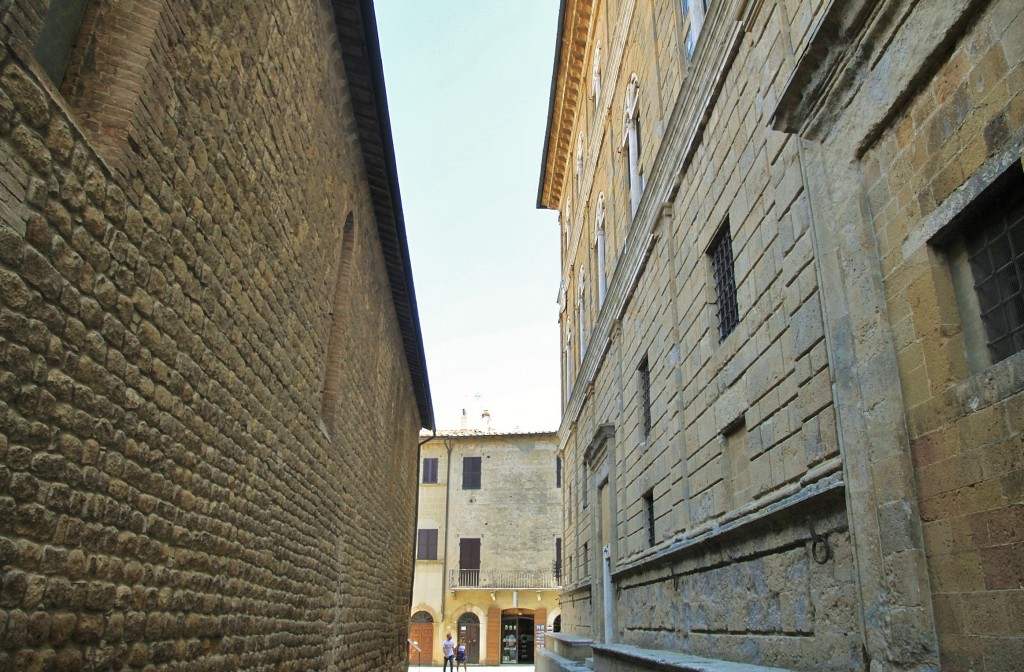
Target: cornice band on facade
825 479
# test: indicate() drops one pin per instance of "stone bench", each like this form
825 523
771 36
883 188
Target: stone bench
623 658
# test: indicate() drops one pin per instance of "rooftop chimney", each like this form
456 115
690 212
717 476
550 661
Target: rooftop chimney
465 420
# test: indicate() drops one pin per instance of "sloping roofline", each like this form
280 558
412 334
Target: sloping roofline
356 24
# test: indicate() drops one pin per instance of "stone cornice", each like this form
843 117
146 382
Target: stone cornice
592 153
567 87
872 46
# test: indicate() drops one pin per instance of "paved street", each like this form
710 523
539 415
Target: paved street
477 668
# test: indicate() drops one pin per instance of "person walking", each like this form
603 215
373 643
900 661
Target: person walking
460 657
448 650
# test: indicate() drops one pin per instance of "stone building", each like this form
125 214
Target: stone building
792 331
211 371
488 544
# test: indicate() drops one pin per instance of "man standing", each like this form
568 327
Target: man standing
448 649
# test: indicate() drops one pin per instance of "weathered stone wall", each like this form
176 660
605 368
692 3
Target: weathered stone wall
848 145
168 498
960 129
516 514
743 449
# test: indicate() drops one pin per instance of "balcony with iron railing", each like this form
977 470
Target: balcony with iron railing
504 579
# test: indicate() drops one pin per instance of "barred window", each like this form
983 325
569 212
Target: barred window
649 516
644 381
725 282
986 255
995 250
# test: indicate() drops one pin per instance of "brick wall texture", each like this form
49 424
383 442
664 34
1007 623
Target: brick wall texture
169 497
840 143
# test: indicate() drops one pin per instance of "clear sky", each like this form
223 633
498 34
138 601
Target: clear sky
467 84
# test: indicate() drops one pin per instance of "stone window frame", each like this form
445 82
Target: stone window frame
978 350
595 77
581 311
649 517
472 479
722 270
646 423
599 243
631 143
568 365
430 476
693 14
941 231
426 543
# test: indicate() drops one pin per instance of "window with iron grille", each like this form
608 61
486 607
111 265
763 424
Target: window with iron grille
644 381
725 282
986 255
995 250
471 473
426 547
585 561
430 470
649 516
557 566
558 472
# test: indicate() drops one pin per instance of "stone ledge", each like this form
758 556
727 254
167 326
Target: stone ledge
549 661
821 481
573 640
669 661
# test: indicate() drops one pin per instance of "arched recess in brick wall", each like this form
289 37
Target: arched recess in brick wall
110 80
339 317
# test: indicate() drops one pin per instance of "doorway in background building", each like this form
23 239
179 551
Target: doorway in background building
421 631
469 634
516 636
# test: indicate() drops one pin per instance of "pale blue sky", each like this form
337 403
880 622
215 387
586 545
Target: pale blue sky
468 84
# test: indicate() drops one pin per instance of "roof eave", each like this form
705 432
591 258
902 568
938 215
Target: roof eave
356 24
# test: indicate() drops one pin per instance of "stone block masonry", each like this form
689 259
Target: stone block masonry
170 246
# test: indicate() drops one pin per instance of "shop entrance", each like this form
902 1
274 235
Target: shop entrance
516 637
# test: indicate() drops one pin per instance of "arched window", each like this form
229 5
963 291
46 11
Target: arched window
339 316
602 282
582 311
579 160
422 617
568 364
631 140
469 618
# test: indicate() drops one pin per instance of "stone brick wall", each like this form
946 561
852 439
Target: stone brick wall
743 449
169 498
957 132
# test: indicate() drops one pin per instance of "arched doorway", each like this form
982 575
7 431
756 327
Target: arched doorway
469 634
421 634
557 625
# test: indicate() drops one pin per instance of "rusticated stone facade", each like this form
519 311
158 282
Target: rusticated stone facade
781 329
211 375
